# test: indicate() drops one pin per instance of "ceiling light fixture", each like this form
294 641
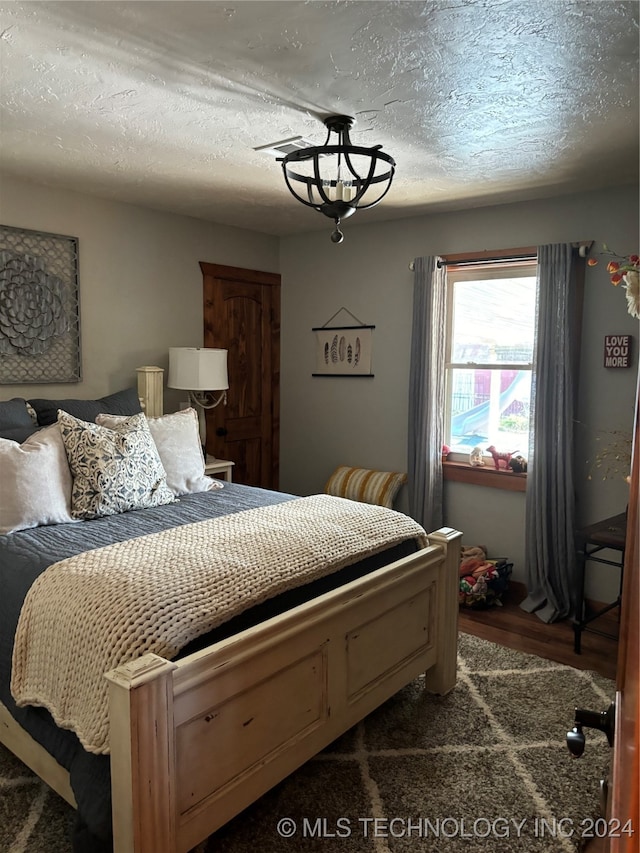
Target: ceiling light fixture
338 179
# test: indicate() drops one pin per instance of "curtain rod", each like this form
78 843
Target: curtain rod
525 254
442 262
477 262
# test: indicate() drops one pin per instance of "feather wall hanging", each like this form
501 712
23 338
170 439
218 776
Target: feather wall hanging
343 350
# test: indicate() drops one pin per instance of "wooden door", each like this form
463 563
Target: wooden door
242 315
625 770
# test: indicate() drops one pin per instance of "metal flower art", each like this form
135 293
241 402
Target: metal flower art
32 311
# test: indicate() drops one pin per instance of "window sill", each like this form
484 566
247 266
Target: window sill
462 472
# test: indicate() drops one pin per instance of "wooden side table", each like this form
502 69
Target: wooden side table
220 468
607 535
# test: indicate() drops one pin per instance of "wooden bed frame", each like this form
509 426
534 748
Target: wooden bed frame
194 742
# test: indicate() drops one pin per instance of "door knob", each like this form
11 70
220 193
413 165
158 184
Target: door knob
576 741
221 431
604 721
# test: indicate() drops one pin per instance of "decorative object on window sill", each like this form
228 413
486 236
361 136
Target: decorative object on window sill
624 270
343 350
485 475
475 457
338 179
39 310
518 464
200 371
446 450
501 458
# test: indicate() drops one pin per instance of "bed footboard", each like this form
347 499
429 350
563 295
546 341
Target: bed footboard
196 741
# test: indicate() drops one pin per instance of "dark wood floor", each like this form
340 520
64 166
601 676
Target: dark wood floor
512 627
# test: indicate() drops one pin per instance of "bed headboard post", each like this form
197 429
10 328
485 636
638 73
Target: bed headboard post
150 390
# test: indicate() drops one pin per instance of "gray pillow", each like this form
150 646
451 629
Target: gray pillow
121 403
16 423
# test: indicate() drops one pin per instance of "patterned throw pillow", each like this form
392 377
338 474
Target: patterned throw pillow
177 437
113 470
365 485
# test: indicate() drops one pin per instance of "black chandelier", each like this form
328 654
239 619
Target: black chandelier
338 179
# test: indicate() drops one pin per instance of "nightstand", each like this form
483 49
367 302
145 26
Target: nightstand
218 468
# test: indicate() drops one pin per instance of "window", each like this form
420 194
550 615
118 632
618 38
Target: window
489 354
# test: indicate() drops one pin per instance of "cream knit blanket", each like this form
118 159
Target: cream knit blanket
88 614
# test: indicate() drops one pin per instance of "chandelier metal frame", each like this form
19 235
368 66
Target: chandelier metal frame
338 196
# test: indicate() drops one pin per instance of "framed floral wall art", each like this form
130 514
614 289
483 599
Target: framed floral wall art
39 307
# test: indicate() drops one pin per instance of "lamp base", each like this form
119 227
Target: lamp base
202 428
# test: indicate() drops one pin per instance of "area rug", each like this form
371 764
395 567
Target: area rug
485 768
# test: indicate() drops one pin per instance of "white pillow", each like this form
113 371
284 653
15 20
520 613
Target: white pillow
35 481
177 437
114 470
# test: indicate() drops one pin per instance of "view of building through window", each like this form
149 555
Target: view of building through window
491 331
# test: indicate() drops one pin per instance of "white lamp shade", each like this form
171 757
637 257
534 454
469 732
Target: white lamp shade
198 369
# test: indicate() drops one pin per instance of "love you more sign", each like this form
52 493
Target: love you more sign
617 350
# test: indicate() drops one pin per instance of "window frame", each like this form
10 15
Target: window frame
502 264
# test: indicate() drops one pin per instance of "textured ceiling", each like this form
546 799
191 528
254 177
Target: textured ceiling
163 103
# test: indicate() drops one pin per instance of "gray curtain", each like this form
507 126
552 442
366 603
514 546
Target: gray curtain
550 557
426 394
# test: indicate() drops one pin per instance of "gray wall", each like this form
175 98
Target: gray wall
141 292
140 282
332 421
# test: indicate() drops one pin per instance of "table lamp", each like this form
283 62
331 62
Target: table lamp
202 372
